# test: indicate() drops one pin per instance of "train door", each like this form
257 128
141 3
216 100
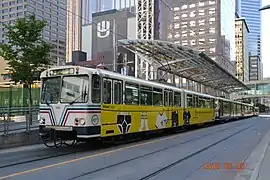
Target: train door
189 110
196 109
221 109
168 103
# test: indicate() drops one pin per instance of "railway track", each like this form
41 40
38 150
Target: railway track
98 146
166 148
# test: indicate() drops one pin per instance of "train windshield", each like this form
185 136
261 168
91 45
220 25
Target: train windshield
51 90
66 89
75 89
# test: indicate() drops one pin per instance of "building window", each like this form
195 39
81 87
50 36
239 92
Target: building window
212 40
176 8
12 9
201 31
212 50
184 43
176 26
176 17
19 7
201 50
170 35
212 11
5 17
212 2
201 22
177 35
5 11
192 14
201 12
184 15
4 4
212 30
12 3
184 7
192 23
212 20
192 6
201 3
201 41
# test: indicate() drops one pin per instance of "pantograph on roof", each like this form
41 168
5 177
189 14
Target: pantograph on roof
185 62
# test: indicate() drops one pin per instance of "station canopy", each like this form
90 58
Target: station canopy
185 62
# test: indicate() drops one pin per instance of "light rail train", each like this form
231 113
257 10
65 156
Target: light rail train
80 103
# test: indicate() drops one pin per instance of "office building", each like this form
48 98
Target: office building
55 14
249 9
241 49
100 37
207 26
93 6
74 27
255 68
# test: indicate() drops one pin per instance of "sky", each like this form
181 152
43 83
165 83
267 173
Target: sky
265 44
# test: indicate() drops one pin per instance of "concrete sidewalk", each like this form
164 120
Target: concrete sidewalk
258 163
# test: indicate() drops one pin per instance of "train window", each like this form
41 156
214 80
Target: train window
208 103
132 94
201 102
107 91
189 100
146 95
212 103
170 98
177 99
166 98
96 90
157 97
117 92
195 101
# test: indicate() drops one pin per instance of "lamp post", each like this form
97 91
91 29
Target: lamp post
265 8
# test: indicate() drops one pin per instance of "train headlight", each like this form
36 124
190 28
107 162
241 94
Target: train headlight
82 121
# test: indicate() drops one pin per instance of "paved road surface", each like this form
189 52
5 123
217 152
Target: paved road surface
180 156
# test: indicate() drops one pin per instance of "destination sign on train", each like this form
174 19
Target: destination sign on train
63 71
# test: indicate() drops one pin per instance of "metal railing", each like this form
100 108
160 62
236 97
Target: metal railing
16 119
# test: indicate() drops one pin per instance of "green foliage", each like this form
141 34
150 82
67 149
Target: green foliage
26 51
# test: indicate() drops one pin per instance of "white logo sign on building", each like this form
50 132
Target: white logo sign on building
103 29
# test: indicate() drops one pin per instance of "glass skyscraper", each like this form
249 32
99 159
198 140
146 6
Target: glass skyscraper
250 10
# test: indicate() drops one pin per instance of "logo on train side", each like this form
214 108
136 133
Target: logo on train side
103 29
123 122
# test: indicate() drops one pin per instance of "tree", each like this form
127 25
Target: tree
26 52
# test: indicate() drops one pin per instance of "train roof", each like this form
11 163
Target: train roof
137 80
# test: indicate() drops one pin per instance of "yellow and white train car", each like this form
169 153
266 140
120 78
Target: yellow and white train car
82 103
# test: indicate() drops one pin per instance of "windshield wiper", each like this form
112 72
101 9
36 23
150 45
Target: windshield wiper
75 99
84 93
